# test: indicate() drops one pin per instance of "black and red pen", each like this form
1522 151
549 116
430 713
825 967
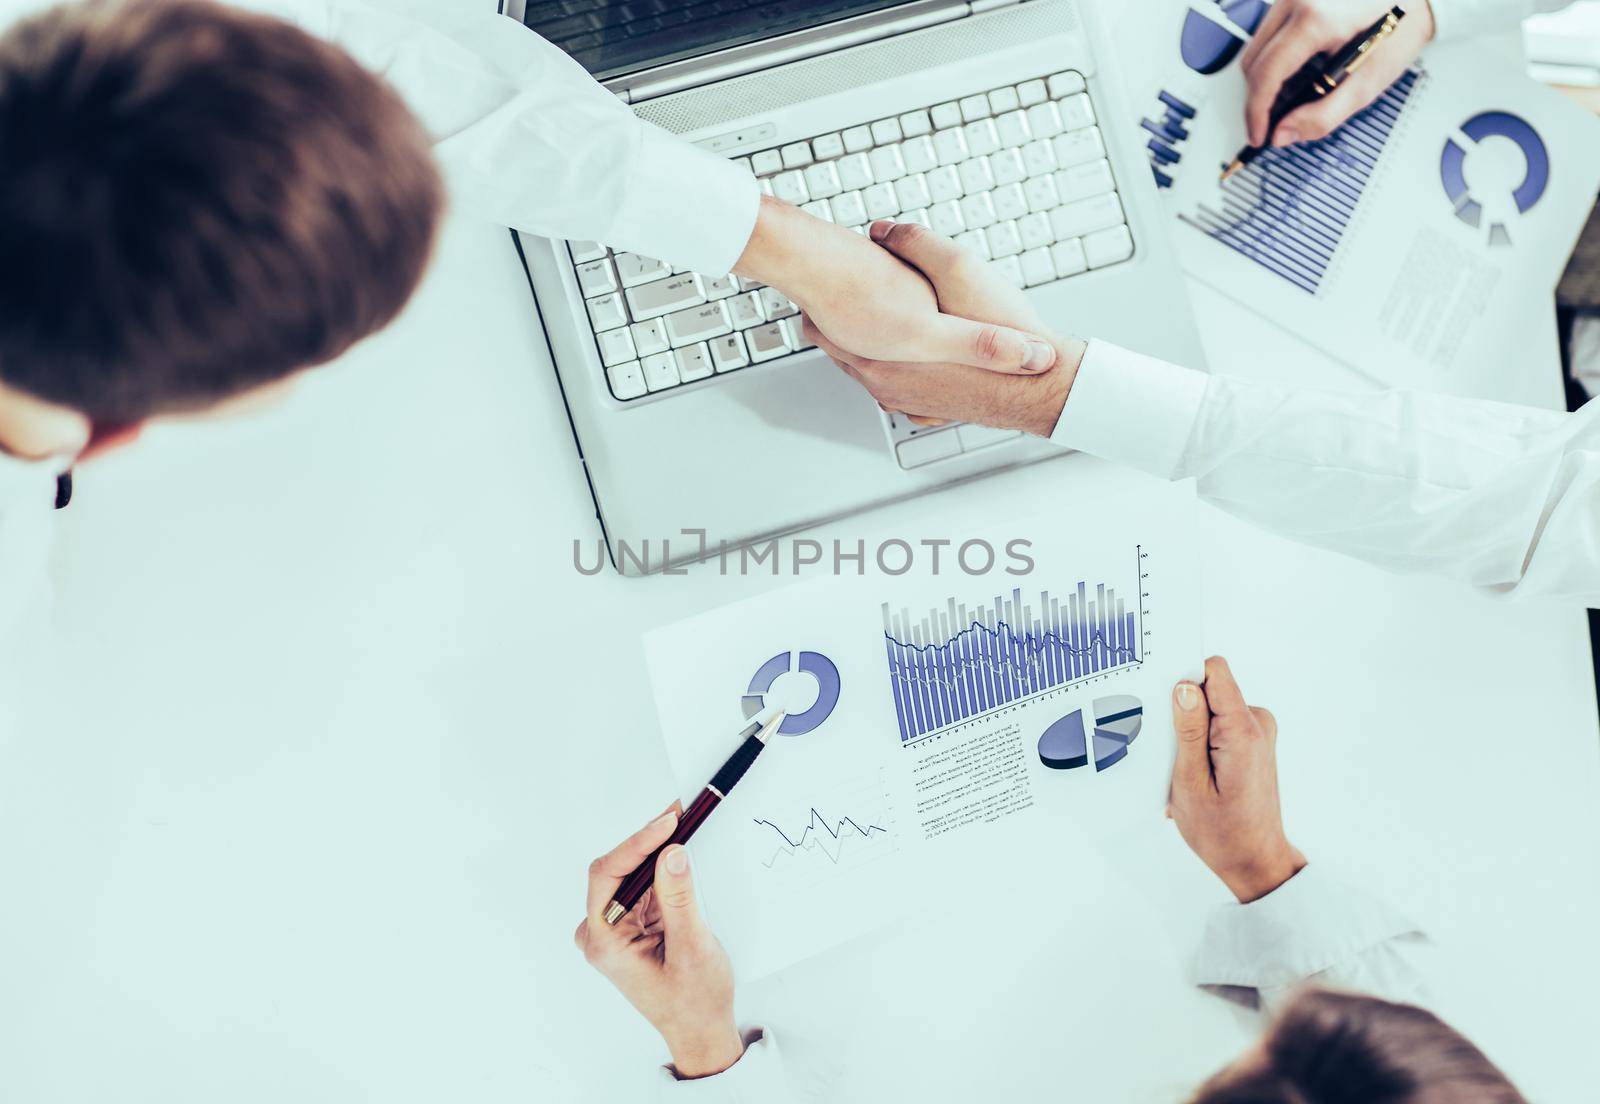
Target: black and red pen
721 784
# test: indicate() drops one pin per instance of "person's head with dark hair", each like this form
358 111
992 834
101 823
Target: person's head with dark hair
1343 1048
195 202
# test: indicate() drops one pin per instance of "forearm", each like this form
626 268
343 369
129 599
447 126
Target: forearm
528 139
1500 496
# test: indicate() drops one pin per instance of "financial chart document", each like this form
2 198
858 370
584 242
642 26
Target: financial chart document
1419 243
986 726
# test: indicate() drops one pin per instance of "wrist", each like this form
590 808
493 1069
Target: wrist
704 1051
774 254
1045 411
809 259
1253 880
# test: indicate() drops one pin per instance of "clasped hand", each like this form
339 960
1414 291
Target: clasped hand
896 299
976 350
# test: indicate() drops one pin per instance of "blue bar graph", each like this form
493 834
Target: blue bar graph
1289 208
958 663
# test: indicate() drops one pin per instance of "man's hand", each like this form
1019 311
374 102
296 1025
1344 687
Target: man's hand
1295 31
869 303
661 955
1225 785
953 391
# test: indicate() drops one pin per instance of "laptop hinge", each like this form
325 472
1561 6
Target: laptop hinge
753 57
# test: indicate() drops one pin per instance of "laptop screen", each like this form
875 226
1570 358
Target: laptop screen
613 37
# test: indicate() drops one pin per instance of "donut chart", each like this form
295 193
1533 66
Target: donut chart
1453 175
815 664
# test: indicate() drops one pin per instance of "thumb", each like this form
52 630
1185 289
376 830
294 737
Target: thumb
959 340
1191 719
934 255
985 345
675 893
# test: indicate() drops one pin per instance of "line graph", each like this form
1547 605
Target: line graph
957 663
821 834
1289 209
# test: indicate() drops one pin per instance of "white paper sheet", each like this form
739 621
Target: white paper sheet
1418 243
928 769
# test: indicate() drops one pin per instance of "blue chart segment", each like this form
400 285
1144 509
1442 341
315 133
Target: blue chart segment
818 666
1208 45
820 835
956 663
1063 745
1289 208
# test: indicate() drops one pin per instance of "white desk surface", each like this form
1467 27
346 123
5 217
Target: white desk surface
336 728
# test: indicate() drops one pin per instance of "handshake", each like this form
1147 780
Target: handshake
929 329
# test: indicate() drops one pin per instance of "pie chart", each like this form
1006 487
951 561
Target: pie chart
1117 719
815 664
1063 745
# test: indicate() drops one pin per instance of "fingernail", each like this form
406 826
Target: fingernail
677 861
664 819
1040 357
1286 136
1188 697
880 229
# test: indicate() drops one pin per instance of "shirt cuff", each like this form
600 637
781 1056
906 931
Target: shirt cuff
1310 924
1462 18
1132 409
685 206
756 1078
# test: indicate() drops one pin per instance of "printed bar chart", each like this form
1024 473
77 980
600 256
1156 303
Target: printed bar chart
1288 210
953 664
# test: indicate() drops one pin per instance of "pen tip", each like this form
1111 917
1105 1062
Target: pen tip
771 726
1231 169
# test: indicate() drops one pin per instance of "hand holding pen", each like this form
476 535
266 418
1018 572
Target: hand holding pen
643 929
1294 32
661 955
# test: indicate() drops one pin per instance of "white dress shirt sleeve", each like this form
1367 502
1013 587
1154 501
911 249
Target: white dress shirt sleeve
760 1076
1501 496
1313 929
527 138
1460 18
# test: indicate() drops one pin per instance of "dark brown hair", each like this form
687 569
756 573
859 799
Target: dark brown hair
195 201
1341 1048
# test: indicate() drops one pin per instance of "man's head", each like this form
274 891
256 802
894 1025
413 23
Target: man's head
1340 1048
195 202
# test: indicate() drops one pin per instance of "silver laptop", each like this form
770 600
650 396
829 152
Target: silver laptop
694 399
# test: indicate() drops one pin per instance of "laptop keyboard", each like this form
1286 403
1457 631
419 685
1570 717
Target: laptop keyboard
1018 175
